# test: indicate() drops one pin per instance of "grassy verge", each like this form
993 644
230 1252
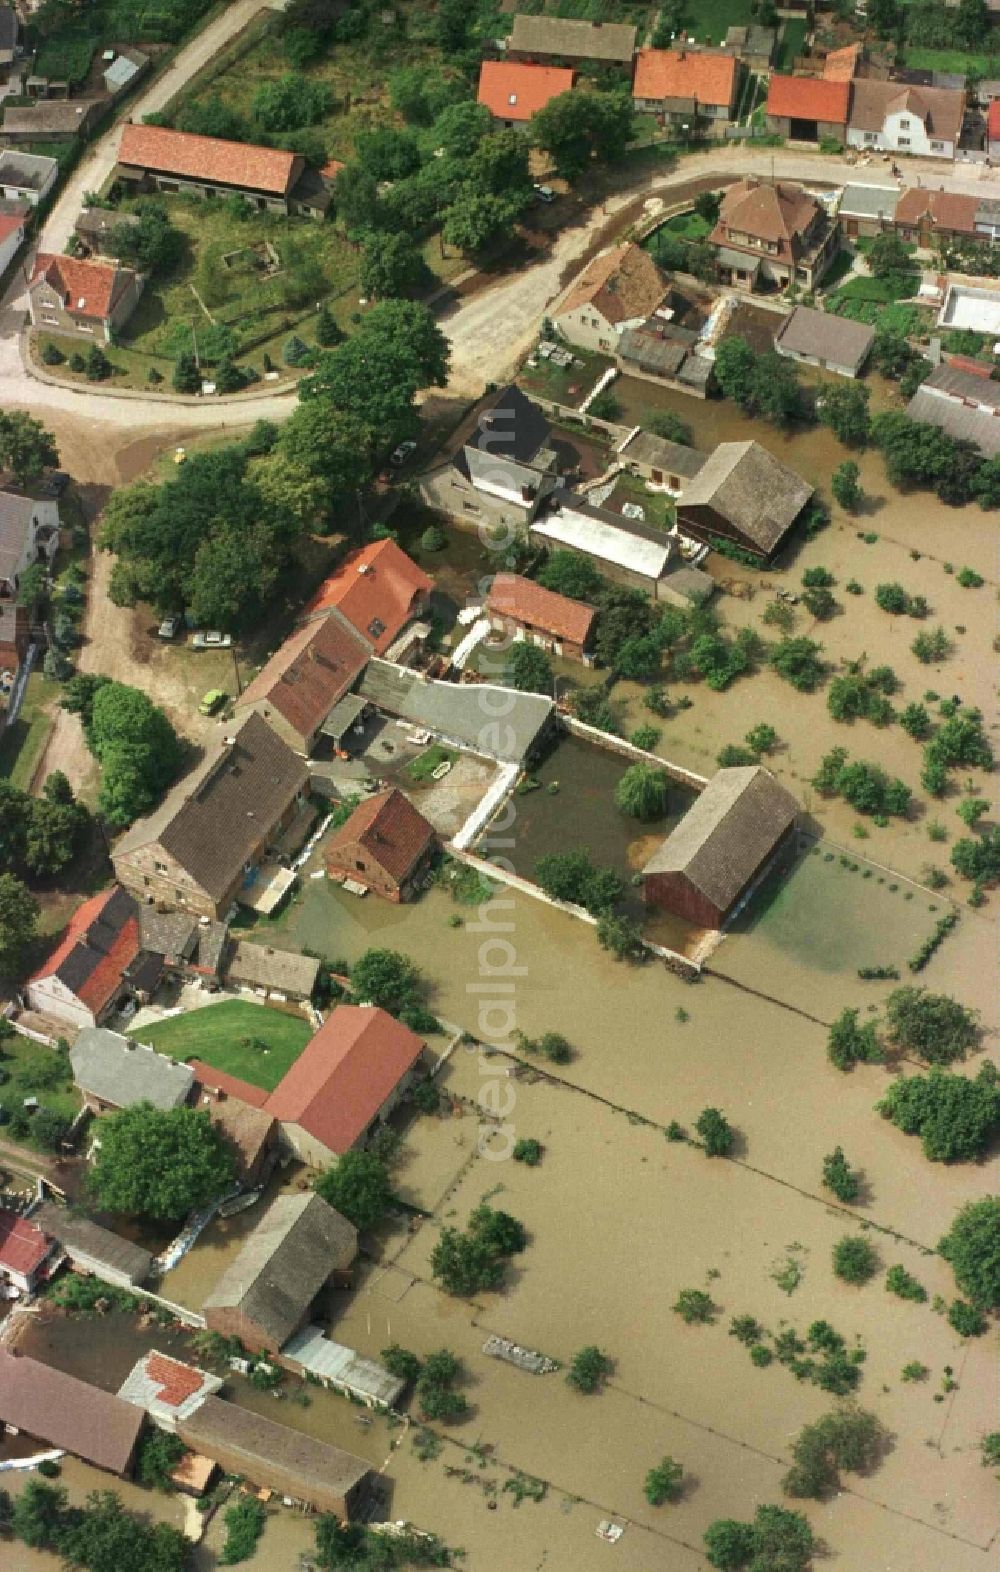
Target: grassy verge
248 1040
22 744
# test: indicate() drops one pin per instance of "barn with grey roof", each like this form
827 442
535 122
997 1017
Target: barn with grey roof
721 845
744 495
114 1072
267 1292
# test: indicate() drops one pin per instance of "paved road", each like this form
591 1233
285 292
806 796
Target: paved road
95 167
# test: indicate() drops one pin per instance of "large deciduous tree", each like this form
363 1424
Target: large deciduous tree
159 1163
358 1186
26 447
576 127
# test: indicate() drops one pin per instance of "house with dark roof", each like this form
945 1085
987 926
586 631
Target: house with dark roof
60 1411
94 1250
753 44
514 93
345 1082
267 970
819 338
166 1389
688 87
26 177
899 118
806 110
522 609
158 159
27 1252
743 494
961 403
508 456
566 41
267 1292
309 674
727 838
29 533
112 1071
386 845
88 298
617 290
10 32
774 234
85 978
926 217
380 592
277 1458
663 351
663 465
204 846
49 120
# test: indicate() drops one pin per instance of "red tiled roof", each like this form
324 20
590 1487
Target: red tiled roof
23 1246
176 1381
374 588
331 169
219 1081
841 64
344 1075
517 92
993 121
390 830
88 289
210 158
311 671
526 601
106 977
678 73
804 98
76 929
93 954
10 223
621 284
945 209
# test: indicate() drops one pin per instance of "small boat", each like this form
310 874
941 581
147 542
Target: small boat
441 771
240 1203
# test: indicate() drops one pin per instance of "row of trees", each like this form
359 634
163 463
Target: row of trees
95 1537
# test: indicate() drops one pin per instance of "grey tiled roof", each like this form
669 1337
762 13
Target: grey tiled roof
122 1072
460 712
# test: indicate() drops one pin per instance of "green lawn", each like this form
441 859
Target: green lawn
793 42
710 20
949 60
22 744
224 1035
33 1070
689 225
426 763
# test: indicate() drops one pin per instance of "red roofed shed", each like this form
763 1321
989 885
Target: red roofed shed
348 1077
24 1251
552 621
807 110
385 845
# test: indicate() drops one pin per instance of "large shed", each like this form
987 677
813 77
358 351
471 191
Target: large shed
744 495
64 1412
94 1249
819 338
723 842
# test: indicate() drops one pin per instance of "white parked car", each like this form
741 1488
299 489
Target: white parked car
212 641
400 455
169 628
544 193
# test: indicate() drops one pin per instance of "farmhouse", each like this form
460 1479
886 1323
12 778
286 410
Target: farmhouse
26 177
154 158
662 464
62 1412
379 591
818 338
92 1249
925 217
509 455
29 533
87 975
867 210
806 110
616 291
743 494
307 677
514 93
26 1251
893 116
493 721
72 296
346 1081
565 41
167 1390
204 846
724 841
682 86
386 845
523 609
773 234
276 1458
962 404
112 1071
267 1292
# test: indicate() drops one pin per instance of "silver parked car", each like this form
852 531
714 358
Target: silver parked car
212 641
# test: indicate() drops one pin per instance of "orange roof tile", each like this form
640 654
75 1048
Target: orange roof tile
517 92
681 73
390 829
220 1081
101 940
176 1381
345 1074
211 158
944 209
376 589
805 98
841 64
88 289
310 672
525 601
23 1246
621 284
106 977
